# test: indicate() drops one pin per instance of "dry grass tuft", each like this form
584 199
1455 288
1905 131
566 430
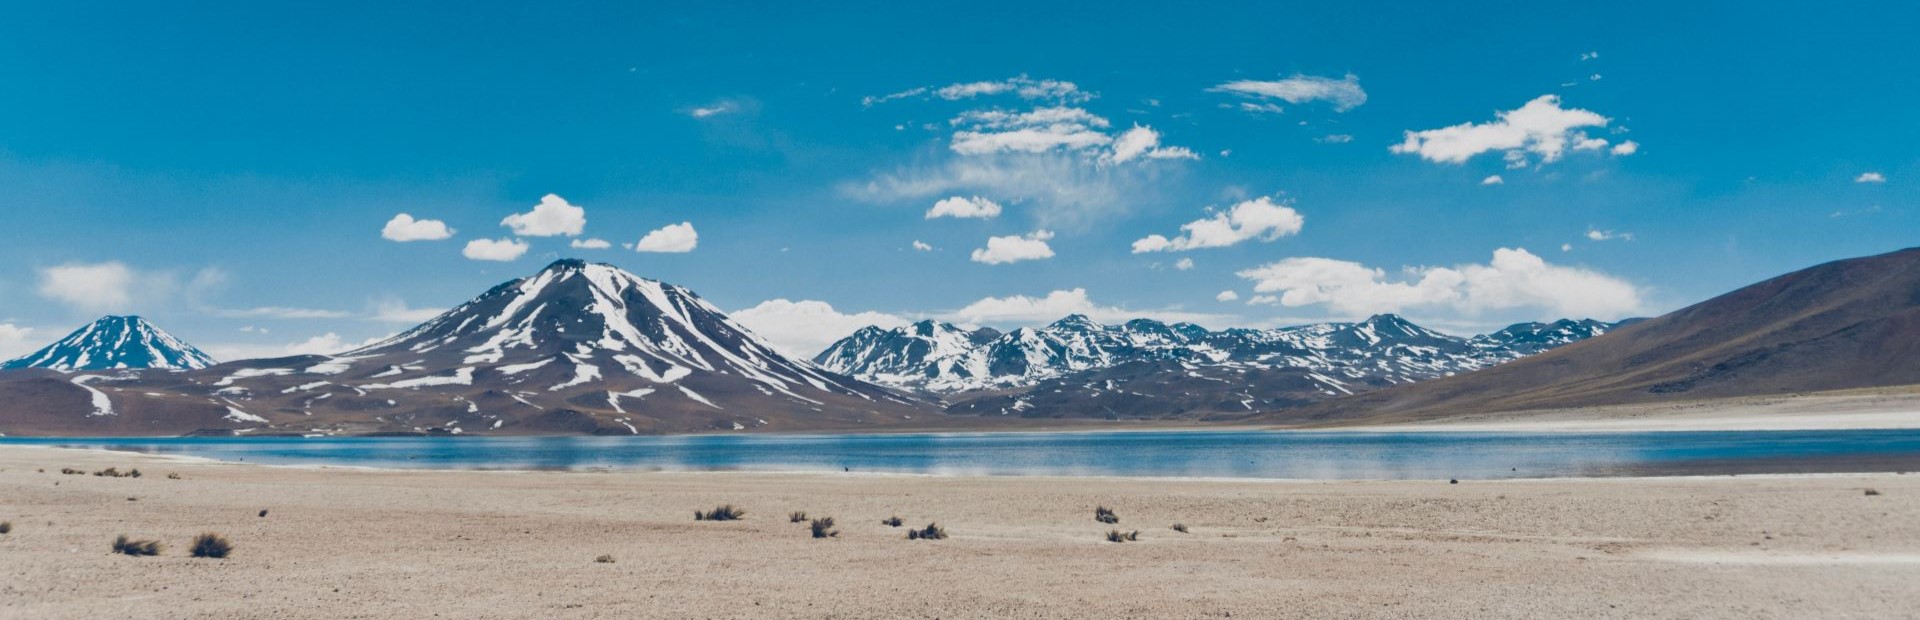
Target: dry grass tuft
1119 536
1105 515
933 531
893 521
1180 527
823 528
726 512
211 545
1871 492
797 516
135 547
604 559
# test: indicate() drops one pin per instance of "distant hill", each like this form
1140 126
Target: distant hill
113 343
1845 324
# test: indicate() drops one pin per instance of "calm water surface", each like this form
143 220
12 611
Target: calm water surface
1244 454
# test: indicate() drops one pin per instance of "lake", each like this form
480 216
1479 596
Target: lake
1230 454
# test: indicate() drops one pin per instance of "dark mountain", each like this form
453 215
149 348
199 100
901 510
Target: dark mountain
1076 367
115 342
1846 324
575 348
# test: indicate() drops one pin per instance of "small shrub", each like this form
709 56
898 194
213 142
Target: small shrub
1119 536
108 472
263 514
1105 515
933 531
604 559
893 521
1873 492
823 528
133 474
173 476
71 471
211 545
6 527
1180 527
135 547
725 512
797 516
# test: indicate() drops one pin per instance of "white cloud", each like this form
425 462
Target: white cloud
96 287
16 341
1021 86
494 249
672 238
1183 264
1515 279
327 344
404 228
1060 190
1540 129
1334 138
553 216
1022 309
396 311
1039 139
1493 179
964 207
804 328
921 246
1260 218
1589 55
1015 248
1566 247
1140 142
1595 234
1226 296
589 244
1345 94
278 312
1628 147
1870 177
1038 117
716 109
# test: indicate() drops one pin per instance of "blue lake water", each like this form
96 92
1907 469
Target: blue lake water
1242 454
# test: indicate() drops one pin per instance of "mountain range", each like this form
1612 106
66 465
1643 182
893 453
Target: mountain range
1076 367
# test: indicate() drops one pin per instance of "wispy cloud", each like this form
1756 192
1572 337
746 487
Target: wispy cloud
1343 93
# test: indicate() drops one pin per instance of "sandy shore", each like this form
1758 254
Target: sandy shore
410 544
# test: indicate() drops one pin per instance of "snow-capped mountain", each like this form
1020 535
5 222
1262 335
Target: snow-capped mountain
575 348
115 342
1073 362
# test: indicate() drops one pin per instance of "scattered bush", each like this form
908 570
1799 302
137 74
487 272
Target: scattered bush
823 528
211 545
71 471
1873 491
1105 515
1119 536
933 531
263 513
173 476
1180 527
725 512
604 559
893 521
133 474
797 516
6 527
135 547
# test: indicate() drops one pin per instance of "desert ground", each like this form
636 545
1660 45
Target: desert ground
342 542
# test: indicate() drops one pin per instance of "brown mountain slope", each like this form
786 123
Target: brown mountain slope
1846 324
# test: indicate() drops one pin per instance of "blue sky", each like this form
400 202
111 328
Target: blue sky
228 170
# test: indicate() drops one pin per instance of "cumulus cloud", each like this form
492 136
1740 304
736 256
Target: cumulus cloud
99 287
804 328
278 312
1260 218
1595 234
589 244
715 109
16 341
1628 147
964 207
327 344
1514 280
494 249
672 238
1493 179
552 217
1226 296
921 246
404 228
986 132
1540 130
1870 177
1183 264
1345 93
1015 248
1023 309
1143 142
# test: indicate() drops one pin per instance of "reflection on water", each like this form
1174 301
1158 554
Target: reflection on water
1243 454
